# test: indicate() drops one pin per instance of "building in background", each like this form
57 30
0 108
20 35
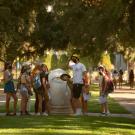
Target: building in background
120 62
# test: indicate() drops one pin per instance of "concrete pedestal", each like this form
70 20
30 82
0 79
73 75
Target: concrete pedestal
60 94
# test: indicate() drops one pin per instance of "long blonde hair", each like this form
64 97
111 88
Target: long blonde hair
36 69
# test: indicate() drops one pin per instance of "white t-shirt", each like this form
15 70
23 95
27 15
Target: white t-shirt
7 75
78 70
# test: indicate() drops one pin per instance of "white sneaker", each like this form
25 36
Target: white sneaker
45 114
102 114
78 112
38 114
108 113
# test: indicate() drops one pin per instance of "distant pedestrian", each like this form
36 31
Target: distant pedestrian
115 78
9 88
131 78
120 78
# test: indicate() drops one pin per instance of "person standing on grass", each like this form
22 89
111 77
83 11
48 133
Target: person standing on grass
66 77
45 87
78 71
103 94
131 78
39 89
85 92
9 88
25 89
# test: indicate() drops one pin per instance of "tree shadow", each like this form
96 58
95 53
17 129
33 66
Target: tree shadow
66 123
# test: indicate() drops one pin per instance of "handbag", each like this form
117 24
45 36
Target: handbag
102 99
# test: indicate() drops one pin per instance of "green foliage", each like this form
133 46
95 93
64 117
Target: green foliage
86 61
87 24
54 61
48 60
105 60
63 61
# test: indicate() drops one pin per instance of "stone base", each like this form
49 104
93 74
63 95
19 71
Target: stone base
61 110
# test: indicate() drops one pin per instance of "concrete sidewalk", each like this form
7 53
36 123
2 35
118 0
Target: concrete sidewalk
126 98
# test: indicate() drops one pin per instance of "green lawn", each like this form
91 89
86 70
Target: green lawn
66 125
70 125
94 105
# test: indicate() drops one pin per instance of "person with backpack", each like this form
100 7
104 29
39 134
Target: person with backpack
38 81
104 89
9 88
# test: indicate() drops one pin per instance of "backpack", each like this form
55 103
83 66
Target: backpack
110 86
37 82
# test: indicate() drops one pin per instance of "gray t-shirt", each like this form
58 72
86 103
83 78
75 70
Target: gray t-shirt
7 76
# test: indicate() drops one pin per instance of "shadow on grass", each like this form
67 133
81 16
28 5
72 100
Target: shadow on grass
66 125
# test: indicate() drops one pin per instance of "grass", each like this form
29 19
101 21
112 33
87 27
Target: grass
69 125
94 105
66 125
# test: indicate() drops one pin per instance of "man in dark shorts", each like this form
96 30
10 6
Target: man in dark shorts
78 71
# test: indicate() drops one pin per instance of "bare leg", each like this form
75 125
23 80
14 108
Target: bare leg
40 99
15 102
77 104
7 102
102 108
73 105
106 107
85 104
23 104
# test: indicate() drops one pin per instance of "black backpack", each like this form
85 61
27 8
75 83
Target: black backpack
110 86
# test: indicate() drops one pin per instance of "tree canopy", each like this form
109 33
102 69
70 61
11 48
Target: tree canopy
90 26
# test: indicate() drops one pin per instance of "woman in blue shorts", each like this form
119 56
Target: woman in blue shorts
9 88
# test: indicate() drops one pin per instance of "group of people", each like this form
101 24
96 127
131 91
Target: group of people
28 80
118 78
35 81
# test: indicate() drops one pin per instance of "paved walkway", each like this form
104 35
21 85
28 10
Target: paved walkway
2 97
126 98
130 116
